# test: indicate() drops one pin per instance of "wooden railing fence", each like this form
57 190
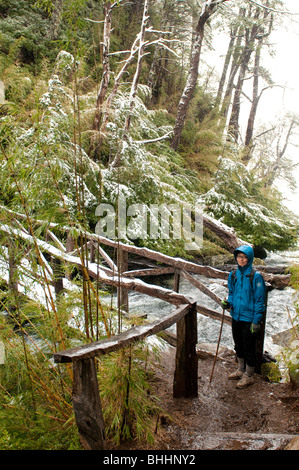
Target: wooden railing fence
86 399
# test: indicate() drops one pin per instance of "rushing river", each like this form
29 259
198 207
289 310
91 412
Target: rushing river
280 306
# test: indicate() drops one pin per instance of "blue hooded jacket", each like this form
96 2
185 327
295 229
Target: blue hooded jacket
247 300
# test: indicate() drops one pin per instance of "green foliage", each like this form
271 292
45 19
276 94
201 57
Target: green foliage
36 400
239 201
23 37
18 83
272 372
129 405
36 396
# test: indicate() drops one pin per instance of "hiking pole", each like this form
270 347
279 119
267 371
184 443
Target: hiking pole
216 354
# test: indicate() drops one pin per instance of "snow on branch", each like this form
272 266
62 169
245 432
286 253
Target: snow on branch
265 7
158 139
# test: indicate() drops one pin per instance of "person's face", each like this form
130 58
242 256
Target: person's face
242 259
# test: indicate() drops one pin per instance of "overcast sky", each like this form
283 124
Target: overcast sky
284 69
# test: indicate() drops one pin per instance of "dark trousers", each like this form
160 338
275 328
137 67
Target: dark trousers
245 342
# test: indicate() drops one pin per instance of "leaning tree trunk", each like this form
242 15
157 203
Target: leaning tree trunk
250 37
254 104
106 65
227 61
225 233
235 65
208 9
255 92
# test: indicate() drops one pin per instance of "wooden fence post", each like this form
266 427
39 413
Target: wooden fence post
87 405
186 365
176 280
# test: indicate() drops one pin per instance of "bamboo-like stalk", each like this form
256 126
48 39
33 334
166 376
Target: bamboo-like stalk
48 288
80 193
46 390
126 404
53 306
52 369
83 266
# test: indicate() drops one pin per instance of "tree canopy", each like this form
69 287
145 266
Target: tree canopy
103 98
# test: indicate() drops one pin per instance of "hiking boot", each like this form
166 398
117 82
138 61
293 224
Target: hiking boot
235 375
245 381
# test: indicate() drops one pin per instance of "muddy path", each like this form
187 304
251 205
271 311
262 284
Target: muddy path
265 416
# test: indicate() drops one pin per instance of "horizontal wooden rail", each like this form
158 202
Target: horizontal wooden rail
162 258
122 340
277 281
120 281
149 272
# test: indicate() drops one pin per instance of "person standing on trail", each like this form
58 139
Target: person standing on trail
247 304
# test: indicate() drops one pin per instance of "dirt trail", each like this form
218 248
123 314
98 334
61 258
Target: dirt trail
263 416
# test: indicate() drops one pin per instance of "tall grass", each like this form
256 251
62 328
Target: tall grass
35 393
45 182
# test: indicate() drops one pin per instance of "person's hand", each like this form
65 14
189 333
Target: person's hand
255 328
225 304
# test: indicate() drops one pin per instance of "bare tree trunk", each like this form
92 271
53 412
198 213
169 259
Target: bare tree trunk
254 104
53 31
250 37
106 65
209 7
116 85
139 62
134 86
227 61
235 65
95 141
255 92
234 69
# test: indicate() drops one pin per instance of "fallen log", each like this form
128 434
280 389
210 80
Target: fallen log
273 275
259 267
277 281
225 233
